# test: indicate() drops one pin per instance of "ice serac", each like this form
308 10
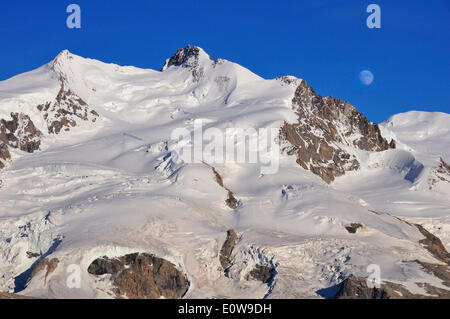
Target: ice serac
325 131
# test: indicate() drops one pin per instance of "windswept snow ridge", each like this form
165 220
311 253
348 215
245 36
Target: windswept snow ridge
104 186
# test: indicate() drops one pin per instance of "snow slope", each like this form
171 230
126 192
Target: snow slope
398 181
114 187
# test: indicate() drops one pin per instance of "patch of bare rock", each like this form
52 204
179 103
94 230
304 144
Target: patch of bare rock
227 249
439 174
353 227
357 288
231 201
262 273
323 124
4 295
18 132
141 276
434 245
45 264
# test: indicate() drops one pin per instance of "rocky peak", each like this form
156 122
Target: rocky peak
188 57
326 126
67 109
64 112
61 60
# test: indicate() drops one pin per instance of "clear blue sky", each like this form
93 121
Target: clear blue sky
326 42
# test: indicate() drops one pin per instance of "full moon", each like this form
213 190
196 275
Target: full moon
366 77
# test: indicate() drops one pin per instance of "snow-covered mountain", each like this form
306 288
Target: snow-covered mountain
92 186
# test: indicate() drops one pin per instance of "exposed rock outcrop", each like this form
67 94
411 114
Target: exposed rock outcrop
188 57
142 276
434 245
440 271
443 166
227 249
32 255
4 295
66 111
45 264
231 201
439 174
263 273
20 133
4 154
357 288
353 227
324 126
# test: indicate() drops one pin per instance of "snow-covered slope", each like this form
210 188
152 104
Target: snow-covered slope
109 183
413 181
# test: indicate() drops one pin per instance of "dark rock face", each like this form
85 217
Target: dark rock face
4 295
323 125
440 271
262 273
444 167
434 245
20 132
353 227
142 276
227 249
4 154
66 111
187 57
231 200
357 288
32 255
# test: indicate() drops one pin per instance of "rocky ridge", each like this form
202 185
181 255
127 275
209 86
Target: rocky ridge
325 128
64 113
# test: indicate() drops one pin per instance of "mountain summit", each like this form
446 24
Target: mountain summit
91 178
188 57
